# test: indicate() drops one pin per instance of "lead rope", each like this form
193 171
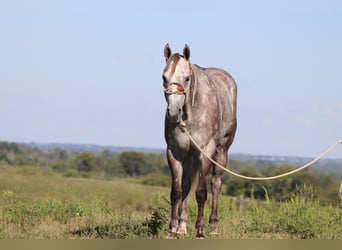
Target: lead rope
182 126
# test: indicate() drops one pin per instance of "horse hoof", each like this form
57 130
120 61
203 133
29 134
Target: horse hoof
214 232
181 232
182 229
171 236
200 237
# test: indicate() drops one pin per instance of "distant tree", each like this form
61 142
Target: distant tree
59 154
108 162
85 162
9 147
133 163
157 163
8 152
281 189
236 186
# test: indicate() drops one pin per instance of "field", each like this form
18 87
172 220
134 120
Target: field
40 204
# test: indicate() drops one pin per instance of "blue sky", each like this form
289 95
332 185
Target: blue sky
90 71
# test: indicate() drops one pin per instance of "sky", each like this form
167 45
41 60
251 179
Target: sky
78 71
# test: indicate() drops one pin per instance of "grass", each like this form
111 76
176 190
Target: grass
38 204
38 184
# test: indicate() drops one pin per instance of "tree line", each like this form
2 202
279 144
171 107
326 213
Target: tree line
325 186
152 168
125 164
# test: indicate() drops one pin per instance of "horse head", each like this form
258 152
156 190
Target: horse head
177 76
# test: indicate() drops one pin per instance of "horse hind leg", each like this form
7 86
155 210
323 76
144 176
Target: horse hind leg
215 189
201 197
201 192
216 182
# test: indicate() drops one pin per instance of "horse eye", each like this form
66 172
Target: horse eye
164 81
187 78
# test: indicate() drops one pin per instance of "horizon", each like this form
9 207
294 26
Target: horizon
161 150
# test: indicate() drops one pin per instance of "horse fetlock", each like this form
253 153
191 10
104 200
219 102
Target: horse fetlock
200 234
182 228
214 229
200 229
173 230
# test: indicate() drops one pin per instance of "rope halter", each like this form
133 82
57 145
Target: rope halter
174 88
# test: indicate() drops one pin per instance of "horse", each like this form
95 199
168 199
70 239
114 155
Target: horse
203 100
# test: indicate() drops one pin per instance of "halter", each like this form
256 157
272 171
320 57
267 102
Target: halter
178 89
174 88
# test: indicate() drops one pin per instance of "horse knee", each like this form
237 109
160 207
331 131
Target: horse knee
176 195
201 195
216 182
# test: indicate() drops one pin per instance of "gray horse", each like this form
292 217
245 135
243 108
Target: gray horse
203 100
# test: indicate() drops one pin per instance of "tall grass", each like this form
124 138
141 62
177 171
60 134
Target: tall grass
44 206
73 218
301 217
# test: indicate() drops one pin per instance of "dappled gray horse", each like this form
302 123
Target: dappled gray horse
203 100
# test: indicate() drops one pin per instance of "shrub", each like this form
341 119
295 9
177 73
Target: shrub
303 215
27 214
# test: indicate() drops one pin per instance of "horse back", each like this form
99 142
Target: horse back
224 87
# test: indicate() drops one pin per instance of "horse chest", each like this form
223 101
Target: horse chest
178 139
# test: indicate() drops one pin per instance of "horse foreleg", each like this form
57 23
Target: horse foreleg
186 185
183 220
201 192
176 190
176 198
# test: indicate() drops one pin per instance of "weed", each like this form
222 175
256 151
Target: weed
123 225
123 228
159 217
304 216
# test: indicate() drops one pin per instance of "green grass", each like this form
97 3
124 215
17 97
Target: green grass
115 193
38 204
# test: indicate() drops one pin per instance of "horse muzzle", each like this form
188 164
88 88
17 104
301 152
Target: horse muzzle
174 116
175 107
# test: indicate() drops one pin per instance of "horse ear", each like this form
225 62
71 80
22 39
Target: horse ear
167 52
186 52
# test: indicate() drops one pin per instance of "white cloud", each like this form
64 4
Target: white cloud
329 111
338 106
304 121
